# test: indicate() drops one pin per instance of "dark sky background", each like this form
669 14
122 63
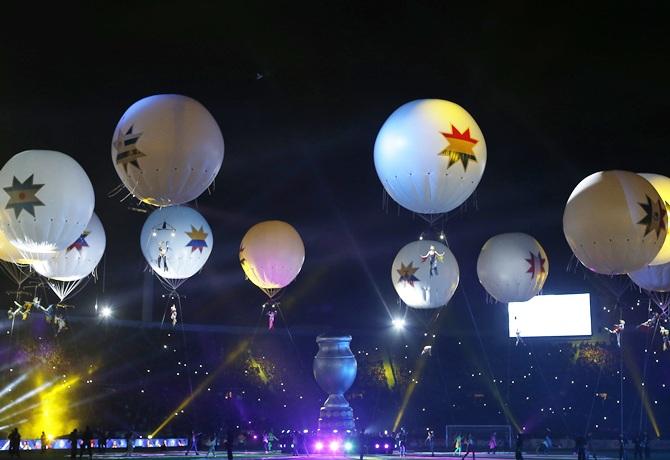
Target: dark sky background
558 93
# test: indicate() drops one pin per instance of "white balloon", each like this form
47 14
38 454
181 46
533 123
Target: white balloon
425 274
615 222
652 277
662 186
176 241
430 155
80 258
167 149
48 201
512 267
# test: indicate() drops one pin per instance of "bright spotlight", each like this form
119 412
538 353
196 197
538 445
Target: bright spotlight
106 312
348 446
334 445
398 323
318 446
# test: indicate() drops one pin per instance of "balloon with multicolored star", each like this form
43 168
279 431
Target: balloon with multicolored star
615 222
80 258
176 242
46 201
512 267
425 274
430 155
167 149
662 186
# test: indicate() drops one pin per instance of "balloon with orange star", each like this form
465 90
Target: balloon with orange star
512 267
430 155
420 284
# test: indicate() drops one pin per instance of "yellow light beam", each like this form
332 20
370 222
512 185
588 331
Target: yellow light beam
418 370
230 358
28 395
634 372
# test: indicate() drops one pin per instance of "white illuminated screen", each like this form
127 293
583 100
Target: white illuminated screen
551 316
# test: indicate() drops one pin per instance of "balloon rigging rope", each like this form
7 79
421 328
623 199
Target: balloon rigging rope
646 362
172 295
115 191
67 289
439 371
290 336
170 284
593 401
479 337
15 272
546 385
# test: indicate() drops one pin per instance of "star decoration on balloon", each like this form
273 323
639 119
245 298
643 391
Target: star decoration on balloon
655 219
536 263
127 151
80 242
459 148
407 272
198 237
23 196
242 258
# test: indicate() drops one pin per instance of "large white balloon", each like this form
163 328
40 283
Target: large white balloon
615 222
80 258
425 274
176 242
167 149
48 201
662 186
512 267
430 155
652 277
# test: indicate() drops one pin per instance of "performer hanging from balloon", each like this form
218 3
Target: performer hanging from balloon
25 308
665 336
271 312
60 323
651 322
163 249
433 257
427 350
616 330
173 315
519 339
12 313
48 313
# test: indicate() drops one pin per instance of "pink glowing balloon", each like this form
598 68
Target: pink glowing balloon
271 255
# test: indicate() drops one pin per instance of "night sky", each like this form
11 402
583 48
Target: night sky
300 92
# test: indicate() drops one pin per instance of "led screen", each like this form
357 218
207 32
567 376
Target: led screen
551 316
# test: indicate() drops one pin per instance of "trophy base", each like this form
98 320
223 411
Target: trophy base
336 414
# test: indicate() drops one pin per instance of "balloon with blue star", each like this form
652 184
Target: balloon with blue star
167 149
46 201
176 242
